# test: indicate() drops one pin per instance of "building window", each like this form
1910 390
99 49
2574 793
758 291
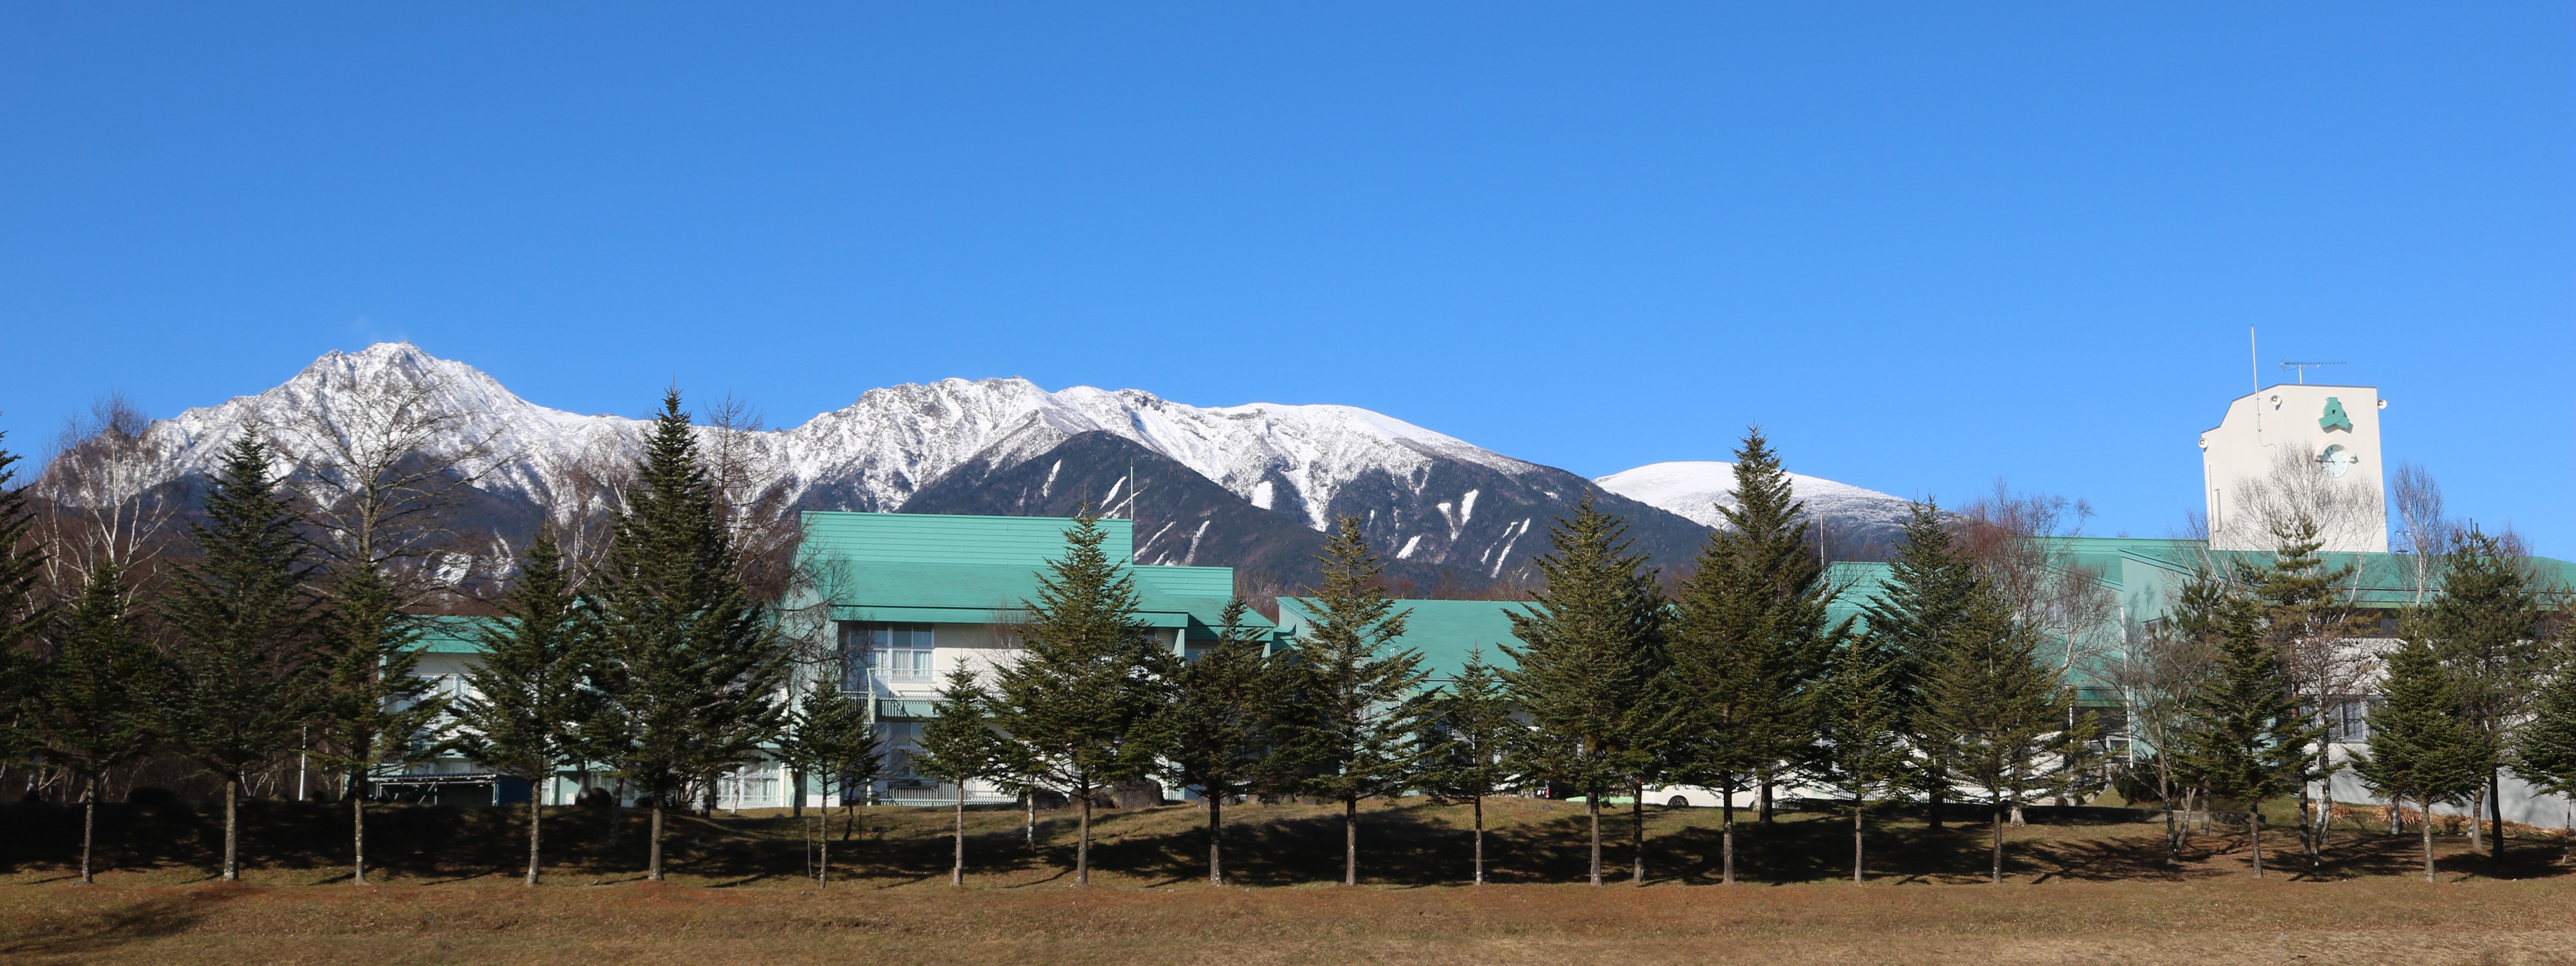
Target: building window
2348 718
901 740
893 653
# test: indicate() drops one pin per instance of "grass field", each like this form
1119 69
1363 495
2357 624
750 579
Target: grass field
739 889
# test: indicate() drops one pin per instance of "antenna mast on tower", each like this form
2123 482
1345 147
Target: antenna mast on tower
2303 368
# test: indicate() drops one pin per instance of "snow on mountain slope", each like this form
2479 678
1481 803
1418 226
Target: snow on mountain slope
871 455
1695 488
894 441
527 443
1439 506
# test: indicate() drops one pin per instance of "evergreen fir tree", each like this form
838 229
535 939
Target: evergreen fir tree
2486 627
1216 732
2297 590
1992 713
22 616
242 626
527 697
378 713
1474 741
1592 671
89 695
1911 618
2545 754
1748 640
2246 738
1859 752
830 738
2421 744
684 657
1078 705
1353 736
958 746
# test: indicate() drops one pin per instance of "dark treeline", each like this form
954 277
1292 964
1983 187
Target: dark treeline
650 649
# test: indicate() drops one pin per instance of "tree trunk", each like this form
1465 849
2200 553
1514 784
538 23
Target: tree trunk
1082 845
2325 825
1637 832
1029 831
2495 813
1762 814
1592 805
2257 820
1997 876
89 822
1479 803
2307 819
2477 826
1351 843
232 828
357 835
797 809
1216 840
957 873
1857 867
1726 799
823 864
536 814
2428 837
1932 817
2173 838
653 868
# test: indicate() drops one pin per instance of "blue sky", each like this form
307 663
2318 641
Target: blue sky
1926 245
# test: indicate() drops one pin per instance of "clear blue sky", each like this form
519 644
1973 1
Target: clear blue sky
1927 245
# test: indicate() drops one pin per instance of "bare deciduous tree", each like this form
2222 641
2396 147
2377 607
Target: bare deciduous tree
106 483
382 470
2423 533
2020 541
593 483
751 493
2296 487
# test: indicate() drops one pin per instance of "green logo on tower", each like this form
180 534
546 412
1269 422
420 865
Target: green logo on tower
2334 418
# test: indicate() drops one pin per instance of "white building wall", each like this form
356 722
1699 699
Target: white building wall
2522 802
2260 429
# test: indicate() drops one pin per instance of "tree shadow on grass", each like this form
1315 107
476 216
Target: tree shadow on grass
80 936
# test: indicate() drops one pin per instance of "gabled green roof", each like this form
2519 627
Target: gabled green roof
927 568
1444 632
954 539
445 634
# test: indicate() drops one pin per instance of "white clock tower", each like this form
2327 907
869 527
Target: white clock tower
2298 448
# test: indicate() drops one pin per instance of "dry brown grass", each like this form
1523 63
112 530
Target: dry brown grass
2234 921
2095 892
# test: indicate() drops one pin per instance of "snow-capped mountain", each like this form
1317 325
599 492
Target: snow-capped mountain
1252 486
1695 488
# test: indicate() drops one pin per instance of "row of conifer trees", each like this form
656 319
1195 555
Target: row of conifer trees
660 668
1735 682
1738 682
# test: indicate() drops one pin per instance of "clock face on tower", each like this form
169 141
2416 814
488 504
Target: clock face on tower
2338 460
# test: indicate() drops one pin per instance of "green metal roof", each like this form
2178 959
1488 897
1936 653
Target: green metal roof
1444 632
931 538
926 568
444 634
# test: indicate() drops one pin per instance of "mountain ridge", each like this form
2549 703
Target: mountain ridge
1438 507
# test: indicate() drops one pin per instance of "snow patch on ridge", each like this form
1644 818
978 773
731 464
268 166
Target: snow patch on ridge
1695 489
